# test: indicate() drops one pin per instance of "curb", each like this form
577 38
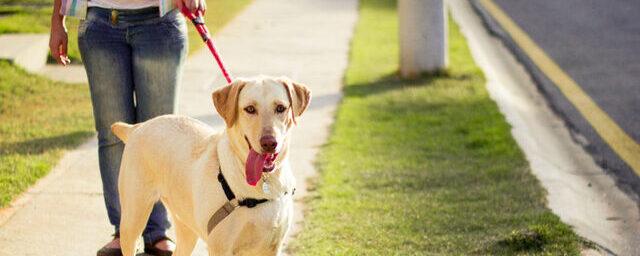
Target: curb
625 178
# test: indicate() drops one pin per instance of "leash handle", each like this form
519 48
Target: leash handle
198 22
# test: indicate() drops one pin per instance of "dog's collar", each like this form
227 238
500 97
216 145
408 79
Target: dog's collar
231 204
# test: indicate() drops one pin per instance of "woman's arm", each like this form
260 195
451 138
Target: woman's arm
58 39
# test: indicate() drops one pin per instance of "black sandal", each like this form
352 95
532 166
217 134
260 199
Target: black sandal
150 248
104 251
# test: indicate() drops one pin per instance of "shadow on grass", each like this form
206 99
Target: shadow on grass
533 239
9 10
22 8
41 145
27 3
393 82
390 5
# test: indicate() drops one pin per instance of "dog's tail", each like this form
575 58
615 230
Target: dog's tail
122 130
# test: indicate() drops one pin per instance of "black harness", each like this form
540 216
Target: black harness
231 204
248 202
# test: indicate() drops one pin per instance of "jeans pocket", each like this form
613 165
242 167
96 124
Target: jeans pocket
176 26
82 28
86 26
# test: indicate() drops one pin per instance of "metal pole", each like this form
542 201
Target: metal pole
423 37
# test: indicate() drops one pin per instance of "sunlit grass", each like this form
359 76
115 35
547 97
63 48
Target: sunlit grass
39 120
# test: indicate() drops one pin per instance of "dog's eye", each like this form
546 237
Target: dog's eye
250 110
280 108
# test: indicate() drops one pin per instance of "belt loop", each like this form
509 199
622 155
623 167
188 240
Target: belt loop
114 17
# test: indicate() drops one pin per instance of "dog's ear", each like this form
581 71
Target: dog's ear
225 100
299 96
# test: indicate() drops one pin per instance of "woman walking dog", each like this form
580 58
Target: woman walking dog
132 51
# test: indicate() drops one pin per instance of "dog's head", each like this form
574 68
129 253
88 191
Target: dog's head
262 110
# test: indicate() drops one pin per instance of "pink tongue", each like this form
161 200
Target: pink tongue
254 166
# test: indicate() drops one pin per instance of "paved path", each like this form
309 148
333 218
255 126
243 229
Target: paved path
28 51
307 40
69 74
596 43
579 191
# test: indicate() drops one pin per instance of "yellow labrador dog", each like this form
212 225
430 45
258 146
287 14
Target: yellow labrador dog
234 188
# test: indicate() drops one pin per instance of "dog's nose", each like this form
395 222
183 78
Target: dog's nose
268 143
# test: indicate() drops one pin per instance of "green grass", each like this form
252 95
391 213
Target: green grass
423 167
34 16
40 119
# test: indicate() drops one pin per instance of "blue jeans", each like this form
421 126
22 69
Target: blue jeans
133 63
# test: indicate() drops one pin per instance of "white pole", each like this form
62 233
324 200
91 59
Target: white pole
423 37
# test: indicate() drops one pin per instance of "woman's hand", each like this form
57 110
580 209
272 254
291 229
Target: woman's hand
58 40
192 5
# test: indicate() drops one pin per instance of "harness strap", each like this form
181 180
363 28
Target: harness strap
230 205
220 214
225 186
252 202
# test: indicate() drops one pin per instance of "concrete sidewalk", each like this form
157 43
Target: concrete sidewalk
307 40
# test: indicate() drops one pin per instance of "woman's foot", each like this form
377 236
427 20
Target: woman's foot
162 246
112 248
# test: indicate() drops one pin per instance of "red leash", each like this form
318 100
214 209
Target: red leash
198 22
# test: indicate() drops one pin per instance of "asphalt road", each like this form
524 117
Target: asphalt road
597 43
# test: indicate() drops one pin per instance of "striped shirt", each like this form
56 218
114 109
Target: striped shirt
78 8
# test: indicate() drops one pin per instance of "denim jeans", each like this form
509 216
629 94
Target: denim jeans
133 62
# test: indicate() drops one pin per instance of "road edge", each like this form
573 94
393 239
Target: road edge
626 179
564 177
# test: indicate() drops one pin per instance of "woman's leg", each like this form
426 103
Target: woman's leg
159 50
107 59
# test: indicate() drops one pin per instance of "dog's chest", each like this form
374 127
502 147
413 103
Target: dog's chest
273 217
261 228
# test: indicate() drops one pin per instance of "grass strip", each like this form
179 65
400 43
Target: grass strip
423 167
40 119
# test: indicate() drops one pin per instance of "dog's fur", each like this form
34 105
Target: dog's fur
176 160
